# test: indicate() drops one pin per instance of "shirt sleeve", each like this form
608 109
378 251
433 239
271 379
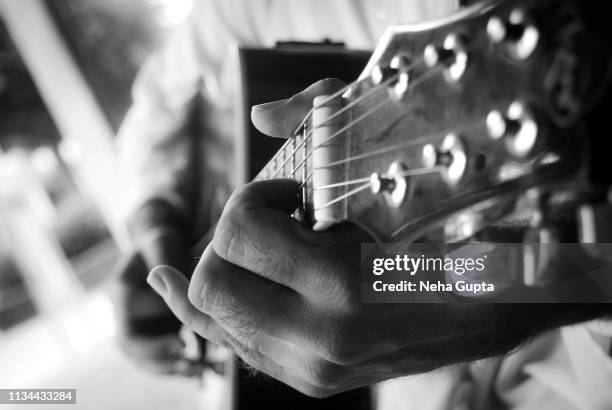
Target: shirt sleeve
155 143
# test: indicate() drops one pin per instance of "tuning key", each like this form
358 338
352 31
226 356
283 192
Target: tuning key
393 185
435 157
380 184
518 32
518 128
450 158
398 70
452 55
500 126
380 74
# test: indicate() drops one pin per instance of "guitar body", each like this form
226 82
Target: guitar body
269 75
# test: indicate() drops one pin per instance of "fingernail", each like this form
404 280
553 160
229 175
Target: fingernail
156 280
268 106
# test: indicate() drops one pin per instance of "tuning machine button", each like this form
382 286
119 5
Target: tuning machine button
393 185
518 128
380 184
450 158
452 55
398 70
518 33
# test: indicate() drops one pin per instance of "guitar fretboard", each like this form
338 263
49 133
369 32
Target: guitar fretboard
293 160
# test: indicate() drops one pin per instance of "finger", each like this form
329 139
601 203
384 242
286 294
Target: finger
172 286
257 233
251 308
281 118
266 318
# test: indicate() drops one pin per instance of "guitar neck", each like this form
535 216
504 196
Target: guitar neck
294 160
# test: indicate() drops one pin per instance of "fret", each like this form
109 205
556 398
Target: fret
282 161
272 167
293 155
305 168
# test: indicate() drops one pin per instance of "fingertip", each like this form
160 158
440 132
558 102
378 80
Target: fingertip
267 106
280 119
279 194
155 279
164 279
265 117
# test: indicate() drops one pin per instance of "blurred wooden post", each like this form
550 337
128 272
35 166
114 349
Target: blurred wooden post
74 108
26 213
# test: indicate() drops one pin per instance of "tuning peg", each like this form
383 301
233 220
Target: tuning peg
380 74
381 184
518 128
393 185
435 157
450 158
399 67
518 32
451 54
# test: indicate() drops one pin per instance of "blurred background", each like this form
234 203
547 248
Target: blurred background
65 75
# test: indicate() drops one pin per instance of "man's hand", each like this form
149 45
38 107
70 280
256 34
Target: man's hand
287 299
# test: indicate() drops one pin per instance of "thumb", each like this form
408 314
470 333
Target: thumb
280 119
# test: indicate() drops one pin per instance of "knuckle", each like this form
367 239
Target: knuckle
332 84
249 353
323 374
230 230
333 282
317 392
242 325
239 200
207 289
339 343
226 240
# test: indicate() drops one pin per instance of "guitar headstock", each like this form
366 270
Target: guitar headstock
452 122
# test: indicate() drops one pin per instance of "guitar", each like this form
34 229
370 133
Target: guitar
458 124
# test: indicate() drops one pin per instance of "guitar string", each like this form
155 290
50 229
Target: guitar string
366 95
308 116
413 172
370 92
331 97
309 133
469 127
341 184
339 93
346 128
408 173
347 107
345 196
